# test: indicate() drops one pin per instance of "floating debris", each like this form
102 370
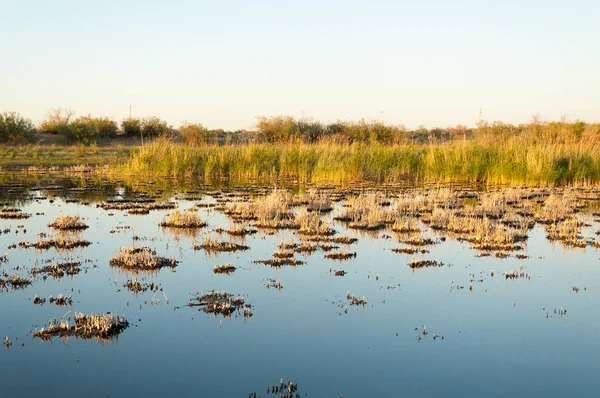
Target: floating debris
58 270
13 214
341 255
14 282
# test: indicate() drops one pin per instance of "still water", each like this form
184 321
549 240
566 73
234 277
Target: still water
502 338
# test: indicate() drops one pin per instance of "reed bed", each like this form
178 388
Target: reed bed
540 154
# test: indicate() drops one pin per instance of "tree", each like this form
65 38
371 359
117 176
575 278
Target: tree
132 127
57 121
195 134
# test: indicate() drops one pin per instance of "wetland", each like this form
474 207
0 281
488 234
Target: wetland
234 290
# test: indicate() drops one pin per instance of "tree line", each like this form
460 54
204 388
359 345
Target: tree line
16 129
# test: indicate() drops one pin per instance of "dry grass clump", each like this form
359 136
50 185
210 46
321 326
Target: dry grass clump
306 248
344 240
227 269
557 207
60 300
13 281
280 262
138 287
283 254
484 233
355 300
178 219
287 245
58 270
221 303
13 214
101 327
406 224
315 201
137 205
66 223
418 240
269 212
140 258
567 232
237 230
418 264
410 250
60 241
312 225
340 255
138 211
212 245
366 212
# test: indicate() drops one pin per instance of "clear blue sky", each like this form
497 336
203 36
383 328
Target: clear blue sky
222 63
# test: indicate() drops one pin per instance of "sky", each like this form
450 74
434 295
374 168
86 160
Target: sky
223 63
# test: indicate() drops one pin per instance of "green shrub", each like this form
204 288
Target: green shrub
131 127
149 127
15 129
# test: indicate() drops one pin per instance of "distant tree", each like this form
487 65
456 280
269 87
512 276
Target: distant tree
57 121
153 127
195 134
277 128
132 127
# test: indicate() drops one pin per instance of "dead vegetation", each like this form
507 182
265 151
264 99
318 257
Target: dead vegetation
141 258
221 303
100 327
68 223
227 269
212 245
187 219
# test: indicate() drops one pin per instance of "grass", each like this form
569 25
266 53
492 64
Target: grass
536 156
553 153
60 156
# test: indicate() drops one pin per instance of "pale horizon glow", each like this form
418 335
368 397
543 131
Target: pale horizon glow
222 64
